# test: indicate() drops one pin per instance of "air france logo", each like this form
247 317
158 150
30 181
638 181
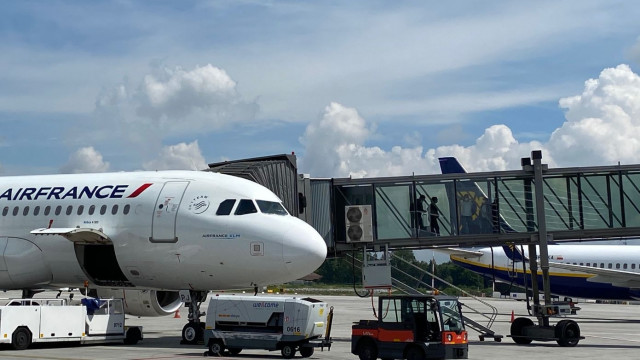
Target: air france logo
199 204
75 192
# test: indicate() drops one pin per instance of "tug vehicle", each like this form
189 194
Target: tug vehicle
412 327
284 323
27 321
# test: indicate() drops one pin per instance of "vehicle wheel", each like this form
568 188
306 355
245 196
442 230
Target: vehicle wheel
234 351
415 353
132 336
517 330
306 351
21 338
191 333
568 333
288 351
216 347
367 350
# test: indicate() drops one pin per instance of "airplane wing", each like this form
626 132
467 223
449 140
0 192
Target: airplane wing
76 235
610 276
460 252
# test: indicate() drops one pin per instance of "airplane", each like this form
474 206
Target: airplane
610 272
149 237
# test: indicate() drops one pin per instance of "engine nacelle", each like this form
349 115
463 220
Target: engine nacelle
145 302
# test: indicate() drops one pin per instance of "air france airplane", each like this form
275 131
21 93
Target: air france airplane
145 236
585 271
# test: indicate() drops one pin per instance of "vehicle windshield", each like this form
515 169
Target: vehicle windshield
271 207
450 313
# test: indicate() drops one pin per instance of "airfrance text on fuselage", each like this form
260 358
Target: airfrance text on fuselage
76 192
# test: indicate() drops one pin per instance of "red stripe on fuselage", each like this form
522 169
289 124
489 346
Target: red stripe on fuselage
139 190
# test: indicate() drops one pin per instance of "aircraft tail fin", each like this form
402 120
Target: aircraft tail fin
450 165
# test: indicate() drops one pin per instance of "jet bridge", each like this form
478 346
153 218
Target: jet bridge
478 209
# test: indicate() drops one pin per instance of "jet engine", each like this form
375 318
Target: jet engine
145 302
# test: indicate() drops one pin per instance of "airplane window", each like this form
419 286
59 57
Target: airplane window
617 266
581 264
225 207
103 209
47 210
92 209
271 207
633 266
126 209
602 265
610 266
114 209
246 206
15 210
69 209
624 266
58 210
5 211
25 212
36 211
588 264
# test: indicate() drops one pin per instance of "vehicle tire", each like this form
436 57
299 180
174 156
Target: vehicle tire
414 353
306 351
568 333
367 350
132 336
288 351
234 351
192 333
216 347
21 338
517 330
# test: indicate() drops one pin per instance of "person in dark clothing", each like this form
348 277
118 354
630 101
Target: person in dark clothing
434 213
420 211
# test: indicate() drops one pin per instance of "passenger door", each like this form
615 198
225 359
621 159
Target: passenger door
166 211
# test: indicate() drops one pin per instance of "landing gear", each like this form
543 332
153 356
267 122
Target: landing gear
193 331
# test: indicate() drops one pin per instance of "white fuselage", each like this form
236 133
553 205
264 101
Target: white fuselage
159 230
598 272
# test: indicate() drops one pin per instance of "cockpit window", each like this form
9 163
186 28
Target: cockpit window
225 207
246 206
271 207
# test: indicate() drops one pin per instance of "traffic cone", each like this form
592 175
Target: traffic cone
177 315
512 316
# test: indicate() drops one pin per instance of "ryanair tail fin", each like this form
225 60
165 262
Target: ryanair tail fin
450 165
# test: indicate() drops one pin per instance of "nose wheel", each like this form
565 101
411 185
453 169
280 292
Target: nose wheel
193 331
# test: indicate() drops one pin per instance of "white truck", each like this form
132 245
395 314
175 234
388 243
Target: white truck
27 321
284 323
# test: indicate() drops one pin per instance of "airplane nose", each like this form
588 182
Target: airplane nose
304 250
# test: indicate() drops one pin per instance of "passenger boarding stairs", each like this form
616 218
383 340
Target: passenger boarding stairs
483 329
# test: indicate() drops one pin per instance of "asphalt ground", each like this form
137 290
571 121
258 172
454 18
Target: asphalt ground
610 331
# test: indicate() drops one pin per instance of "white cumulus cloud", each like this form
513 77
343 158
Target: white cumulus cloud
603 123
602 127
171 101
335 146
181 156
85 160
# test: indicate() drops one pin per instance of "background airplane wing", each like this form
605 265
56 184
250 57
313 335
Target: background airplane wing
610 276
460 252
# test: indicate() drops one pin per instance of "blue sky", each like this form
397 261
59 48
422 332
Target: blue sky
363 88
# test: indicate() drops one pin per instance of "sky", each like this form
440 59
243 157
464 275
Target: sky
358 88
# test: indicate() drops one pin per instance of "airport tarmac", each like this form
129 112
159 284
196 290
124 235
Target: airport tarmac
610 331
